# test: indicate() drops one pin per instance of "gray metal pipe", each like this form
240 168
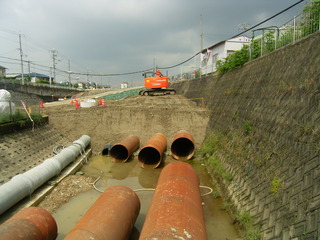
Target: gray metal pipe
25 184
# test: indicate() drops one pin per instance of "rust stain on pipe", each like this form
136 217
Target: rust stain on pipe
176 208
182 147
33 223
121 151
111 217
152 152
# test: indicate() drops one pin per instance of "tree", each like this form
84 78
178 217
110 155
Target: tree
312 17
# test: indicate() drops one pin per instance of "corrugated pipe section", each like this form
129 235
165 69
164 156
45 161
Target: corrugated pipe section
33 223
111 217
121 151
176 208
25 184
152 152
182 147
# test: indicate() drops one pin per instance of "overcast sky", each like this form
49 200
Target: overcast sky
118 36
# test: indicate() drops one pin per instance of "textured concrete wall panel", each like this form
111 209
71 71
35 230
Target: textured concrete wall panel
279 95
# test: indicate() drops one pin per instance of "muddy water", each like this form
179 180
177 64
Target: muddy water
218 223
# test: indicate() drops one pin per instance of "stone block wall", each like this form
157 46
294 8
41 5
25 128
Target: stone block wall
276 166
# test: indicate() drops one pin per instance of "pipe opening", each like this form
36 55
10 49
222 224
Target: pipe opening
182 149
149 156
106 149
119 153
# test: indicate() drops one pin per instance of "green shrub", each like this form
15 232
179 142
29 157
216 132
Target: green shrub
208 146
234 60
275 185
247 127
246 222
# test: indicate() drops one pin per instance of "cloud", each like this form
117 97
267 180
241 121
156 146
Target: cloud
125 35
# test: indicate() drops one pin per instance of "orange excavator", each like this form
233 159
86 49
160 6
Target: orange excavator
156 84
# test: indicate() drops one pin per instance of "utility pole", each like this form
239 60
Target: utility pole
69 68
201 42
29 71
54 55
50 78
21 59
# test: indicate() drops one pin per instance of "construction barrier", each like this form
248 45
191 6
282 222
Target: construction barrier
176 208
111 217
103 103
76 104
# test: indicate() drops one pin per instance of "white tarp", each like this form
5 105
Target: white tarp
5 103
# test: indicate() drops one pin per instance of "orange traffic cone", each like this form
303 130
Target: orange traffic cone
76 104
41 104
103 104
99 101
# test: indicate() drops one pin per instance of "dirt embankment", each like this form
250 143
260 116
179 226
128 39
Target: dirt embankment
135 115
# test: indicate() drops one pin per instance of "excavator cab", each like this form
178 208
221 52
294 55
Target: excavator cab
156 84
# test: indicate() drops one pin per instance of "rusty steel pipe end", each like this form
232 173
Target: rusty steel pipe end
152 152
176 209
182 147
121 151
112 216
32 223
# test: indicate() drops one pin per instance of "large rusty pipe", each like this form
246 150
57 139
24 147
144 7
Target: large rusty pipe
152 152
176 208
111 217
121 151
182 147
33 223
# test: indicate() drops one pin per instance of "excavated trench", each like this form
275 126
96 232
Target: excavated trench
140 116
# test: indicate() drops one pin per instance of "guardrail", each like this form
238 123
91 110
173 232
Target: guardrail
18 82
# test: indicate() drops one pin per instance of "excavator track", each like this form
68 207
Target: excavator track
157 92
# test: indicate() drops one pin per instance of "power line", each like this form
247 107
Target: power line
140 71
180 63
266 20
3 29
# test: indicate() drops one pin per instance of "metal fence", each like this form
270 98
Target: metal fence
274 37
268 39
18 82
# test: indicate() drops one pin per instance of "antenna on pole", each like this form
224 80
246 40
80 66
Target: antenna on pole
54 55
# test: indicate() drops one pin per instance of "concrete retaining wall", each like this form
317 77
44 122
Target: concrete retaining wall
269 114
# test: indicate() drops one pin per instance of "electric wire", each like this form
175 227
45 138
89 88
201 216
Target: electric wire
266 20
167 67
146 189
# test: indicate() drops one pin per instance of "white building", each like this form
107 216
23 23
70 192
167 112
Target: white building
124 85
219 51
2 71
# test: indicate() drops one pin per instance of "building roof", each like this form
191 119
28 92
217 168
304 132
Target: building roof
39 75
222 42
2 67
